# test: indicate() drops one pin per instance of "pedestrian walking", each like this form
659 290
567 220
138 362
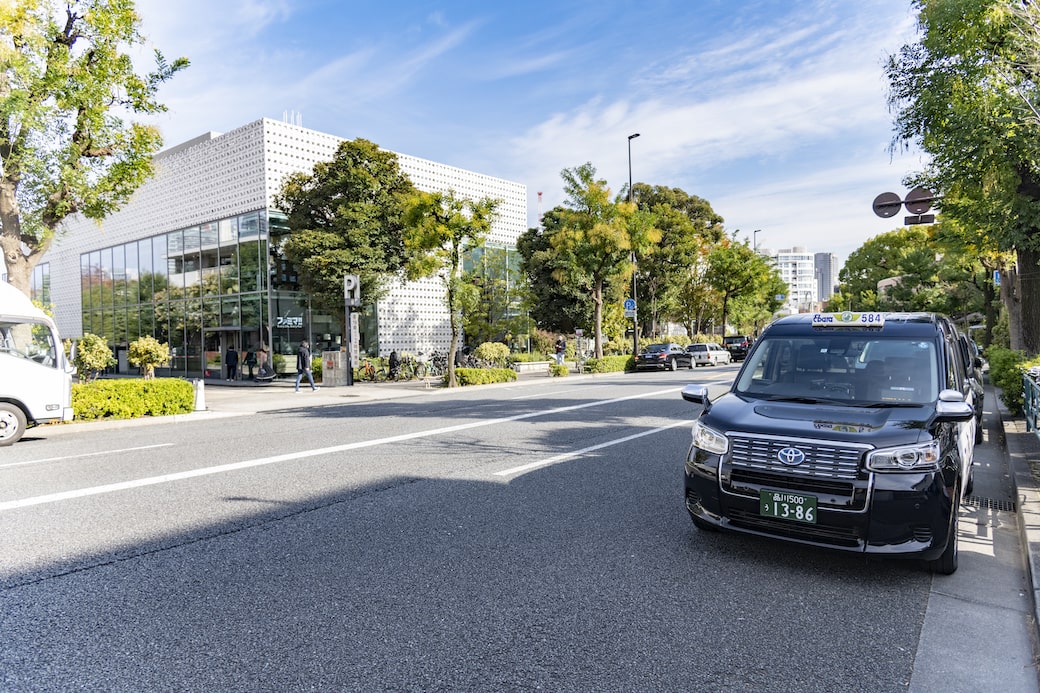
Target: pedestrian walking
231 359
561 350
250 362
303 365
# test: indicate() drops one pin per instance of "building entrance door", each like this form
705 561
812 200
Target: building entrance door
217 342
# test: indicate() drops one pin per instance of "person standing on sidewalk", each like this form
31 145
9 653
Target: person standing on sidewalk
232 363
303 365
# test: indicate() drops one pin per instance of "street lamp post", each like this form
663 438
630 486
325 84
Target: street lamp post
635 318
755 237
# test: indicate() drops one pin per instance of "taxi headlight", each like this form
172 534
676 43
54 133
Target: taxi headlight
709 440
908 458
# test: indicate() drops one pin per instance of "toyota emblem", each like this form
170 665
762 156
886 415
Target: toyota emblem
791 457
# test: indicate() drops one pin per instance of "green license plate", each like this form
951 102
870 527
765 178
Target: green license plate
787 506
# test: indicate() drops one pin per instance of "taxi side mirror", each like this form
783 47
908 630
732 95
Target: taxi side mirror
698 394
952 406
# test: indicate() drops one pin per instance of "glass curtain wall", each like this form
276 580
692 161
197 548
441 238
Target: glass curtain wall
201 290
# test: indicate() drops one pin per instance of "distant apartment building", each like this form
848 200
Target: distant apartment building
826 275
193 258
798 270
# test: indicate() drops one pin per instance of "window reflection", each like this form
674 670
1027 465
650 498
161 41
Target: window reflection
203 280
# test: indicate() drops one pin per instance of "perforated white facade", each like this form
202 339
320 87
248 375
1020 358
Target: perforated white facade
217 176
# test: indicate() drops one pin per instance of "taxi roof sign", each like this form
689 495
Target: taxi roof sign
848 319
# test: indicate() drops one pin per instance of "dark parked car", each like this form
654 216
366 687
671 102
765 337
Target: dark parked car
737 346
852 431
973 364
662 356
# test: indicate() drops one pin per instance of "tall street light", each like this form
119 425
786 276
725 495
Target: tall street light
635 318
755 236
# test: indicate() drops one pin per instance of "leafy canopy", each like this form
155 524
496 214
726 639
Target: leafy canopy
67 84
441 227
346 217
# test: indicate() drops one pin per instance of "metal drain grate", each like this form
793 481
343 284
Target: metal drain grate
991 504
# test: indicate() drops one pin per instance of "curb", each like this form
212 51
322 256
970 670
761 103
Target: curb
1020 446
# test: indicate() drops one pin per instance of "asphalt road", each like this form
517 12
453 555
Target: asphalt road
511 539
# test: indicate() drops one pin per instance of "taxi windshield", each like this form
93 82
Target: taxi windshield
853 370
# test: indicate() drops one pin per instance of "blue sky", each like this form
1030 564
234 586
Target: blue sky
773 111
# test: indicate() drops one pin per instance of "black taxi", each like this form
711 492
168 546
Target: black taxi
853 431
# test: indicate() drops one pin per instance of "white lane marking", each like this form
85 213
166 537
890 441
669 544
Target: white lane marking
568 455
556 392
245 464
85 454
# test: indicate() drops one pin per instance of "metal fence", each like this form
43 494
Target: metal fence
1031 396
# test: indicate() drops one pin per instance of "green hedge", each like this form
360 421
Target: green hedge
524 357
610 364
1006 368
132 398
558 370
484 376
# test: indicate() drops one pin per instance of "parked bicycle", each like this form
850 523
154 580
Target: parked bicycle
371 371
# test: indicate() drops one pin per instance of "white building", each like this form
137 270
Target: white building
798 270
206 221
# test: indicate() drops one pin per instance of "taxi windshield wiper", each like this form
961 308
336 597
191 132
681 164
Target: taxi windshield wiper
807 400
892 405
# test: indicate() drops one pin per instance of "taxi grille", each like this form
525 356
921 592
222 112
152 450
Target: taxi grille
843 537
823 461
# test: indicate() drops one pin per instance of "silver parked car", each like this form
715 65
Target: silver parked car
708 354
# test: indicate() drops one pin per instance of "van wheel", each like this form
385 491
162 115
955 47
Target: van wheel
978 433
946 564
12 423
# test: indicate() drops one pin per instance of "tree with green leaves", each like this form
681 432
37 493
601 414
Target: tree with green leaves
736 272
688 226
966 93
750 313
66 81
916 268
93 356
886 257
598 238
147 353
440 228
696 302
554 304
346 216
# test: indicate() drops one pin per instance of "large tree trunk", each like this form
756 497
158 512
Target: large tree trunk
597 311
1010 295
990 297
19 264
1028 303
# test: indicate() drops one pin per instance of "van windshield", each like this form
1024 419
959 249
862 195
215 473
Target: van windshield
847 369
28 340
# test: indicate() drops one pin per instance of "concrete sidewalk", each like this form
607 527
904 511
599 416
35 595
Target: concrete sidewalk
980 628
1023 452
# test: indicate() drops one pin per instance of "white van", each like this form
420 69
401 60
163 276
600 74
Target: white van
35 376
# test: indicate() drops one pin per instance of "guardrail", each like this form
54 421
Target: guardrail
1031 397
